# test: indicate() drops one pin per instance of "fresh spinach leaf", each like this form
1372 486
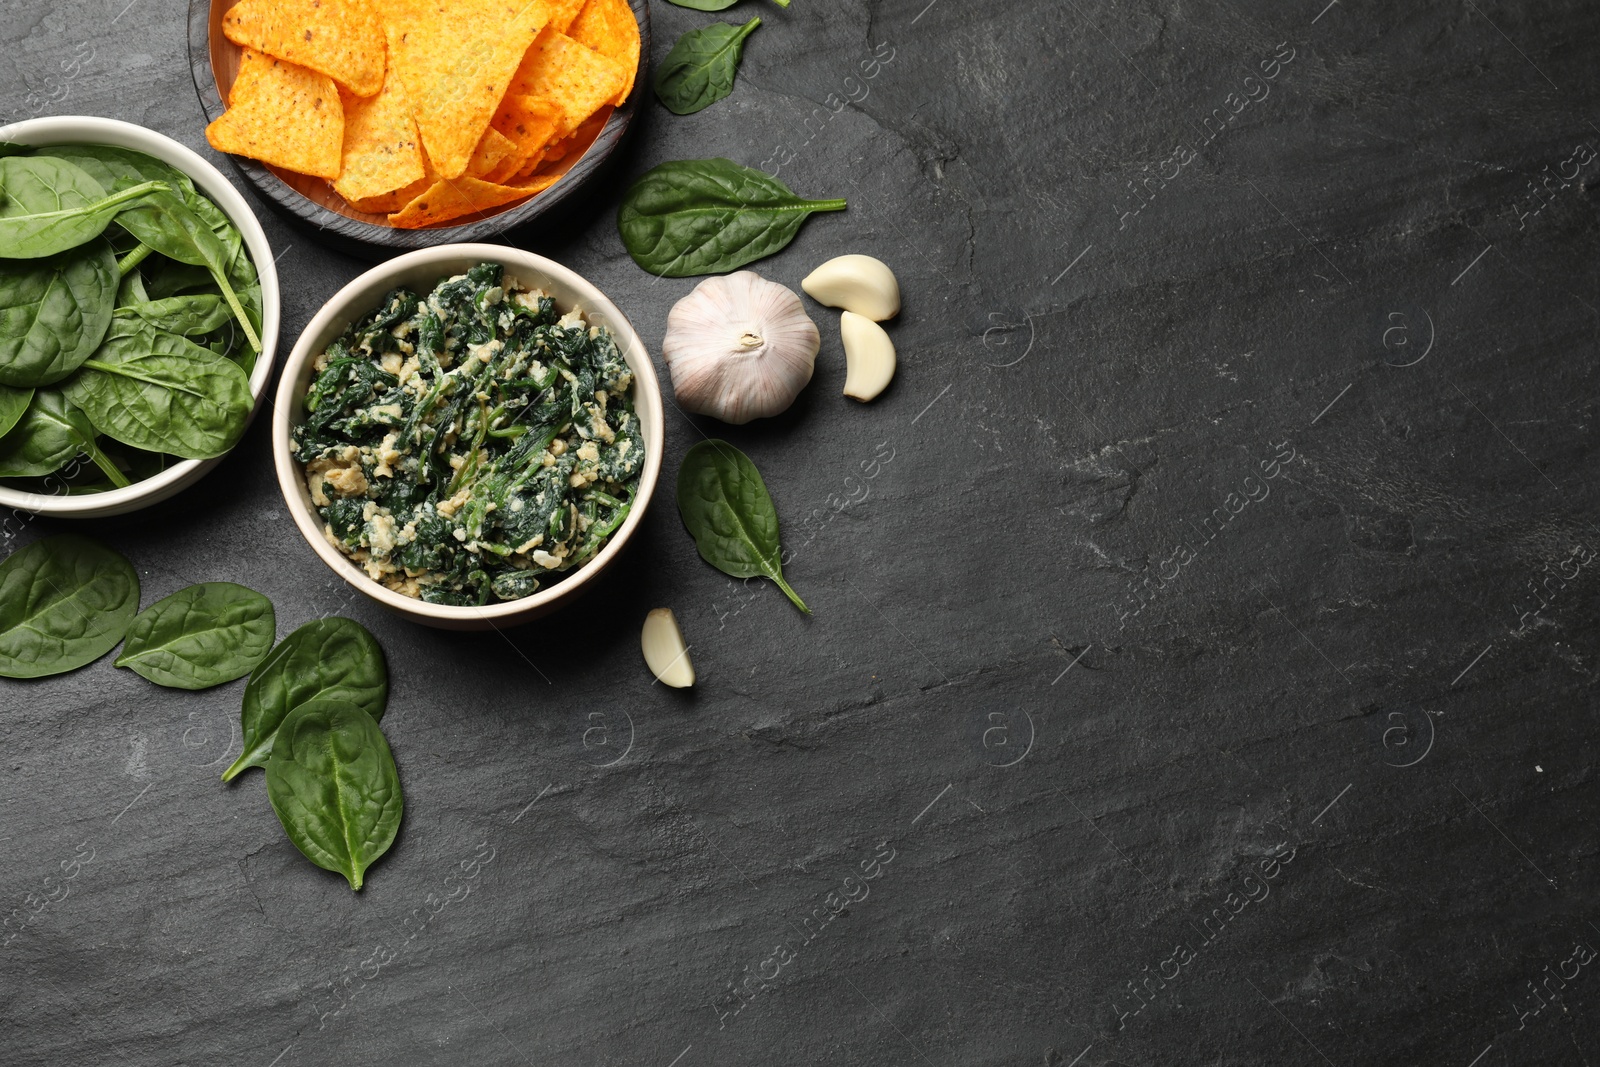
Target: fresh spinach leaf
13 402
167 225
701 67
200 636
727 509
706 216
158 391
122 168
172 279
65 601
54 313
131 289
331 657
51 205
52 431
191 315
334 786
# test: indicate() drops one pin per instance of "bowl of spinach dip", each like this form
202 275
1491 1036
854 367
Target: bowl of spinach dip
468 436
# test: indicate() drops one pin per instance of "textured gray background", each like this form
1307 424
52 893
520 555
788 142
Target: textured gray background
1351 273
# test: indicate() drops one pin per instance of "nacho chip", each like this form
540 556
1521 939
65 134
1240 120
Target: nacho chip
339 38
382 152
493 147
455 61
384 203
561 13
282 114
608 27
538 183
451 199
529 123
572 76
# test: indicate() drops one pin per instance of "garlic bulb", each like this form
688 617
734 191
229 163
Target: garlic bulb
739 348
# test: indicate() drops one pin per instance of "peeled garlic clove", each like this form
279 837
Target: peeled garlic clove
739 348
664 651
856 283
868 355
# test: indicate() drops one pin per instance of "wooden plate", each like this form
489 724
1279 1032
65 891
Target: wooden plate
214 62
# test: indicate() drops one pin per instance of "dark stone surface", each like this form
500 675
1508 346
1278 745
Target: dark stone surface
1081 708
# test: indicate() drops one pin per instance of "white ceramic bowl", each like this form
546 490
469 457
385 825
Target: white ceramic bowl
420 271
79 129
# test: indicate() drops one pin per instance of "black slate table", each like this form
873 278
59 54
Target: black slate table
1205 619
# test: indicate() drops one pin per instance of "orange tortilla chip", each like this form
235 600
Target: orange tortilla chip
608 27
561 13
282 114
339 38
382 152
572 76
456 61
453 198
492 148
529 123
538 183
384 203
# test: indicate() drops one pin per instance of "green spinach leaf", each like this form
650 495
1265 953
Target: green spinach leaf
335 788
701 67
192 314
54 313
50 205
122 168
65 601
200 636
331 657
50 433
727 509
13 402
167 225
158 391
706 216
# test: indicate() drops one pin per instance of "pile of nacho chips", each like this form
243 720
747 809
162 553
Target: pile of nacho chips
424 110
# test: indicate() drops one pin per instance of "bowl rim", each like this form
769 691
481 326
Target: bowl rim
530 269
340 228
45 131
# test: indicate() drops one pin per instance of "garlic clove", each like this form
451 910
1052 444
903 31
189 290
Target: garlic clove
868 355
664 651
739 348
856 283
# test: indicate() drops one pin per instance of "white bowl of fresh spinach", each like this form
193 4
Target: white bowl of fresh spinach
139 312
468 434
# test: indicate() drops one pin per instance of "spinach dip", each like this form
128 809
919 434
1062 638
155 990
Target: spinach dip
468 445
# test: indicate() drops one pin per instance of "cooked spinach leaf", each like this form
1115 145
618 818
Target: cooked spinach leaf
472 443
706 216
162 392
200 636
727 509
50 433
65 601
332 657
51 205
701 67
334 786
54 313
